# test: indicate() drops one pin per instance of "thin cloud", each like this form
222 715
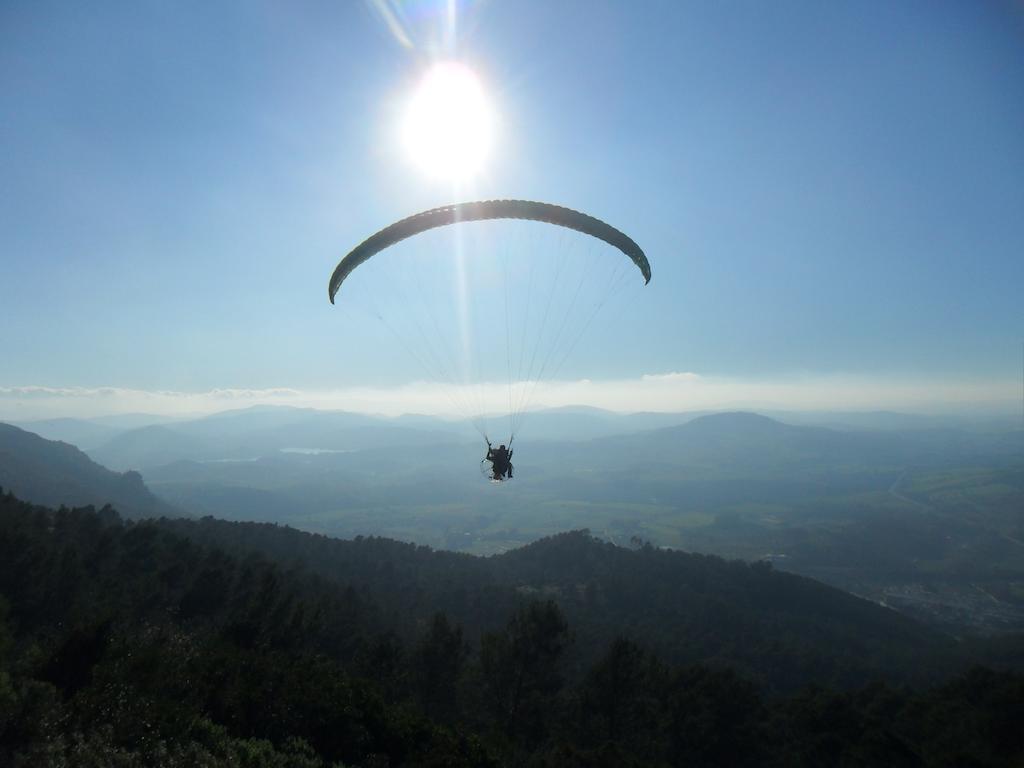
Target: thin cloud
671 391
674 376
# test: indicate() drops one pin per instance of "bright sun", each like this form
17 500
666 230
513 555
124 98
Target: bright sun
448 125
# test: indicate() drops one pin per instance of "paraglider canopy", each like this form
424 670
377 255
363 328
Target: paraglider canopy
482 210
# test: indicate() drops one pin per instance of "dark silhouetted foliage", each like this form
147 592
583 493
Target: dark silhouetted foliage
193 643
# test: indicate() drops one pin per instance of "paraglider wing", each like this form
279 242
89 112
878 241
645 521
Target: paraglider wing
482 210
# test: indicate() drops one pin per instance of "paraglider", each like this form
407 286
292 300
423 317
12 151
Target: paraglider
526 210
501 461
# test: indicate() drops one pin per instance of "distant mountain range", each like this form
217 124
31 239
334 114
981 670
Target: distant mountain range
253 433
55 473
86 434
703 464
142 442
308 460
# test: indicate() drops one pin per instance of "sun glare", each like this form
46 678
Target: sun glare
449 125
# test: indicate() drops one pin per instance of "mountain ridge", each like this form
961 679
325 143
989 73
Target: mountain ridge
55 473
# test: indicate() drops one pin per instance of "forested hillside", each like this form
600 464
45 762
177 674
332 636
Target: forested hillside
781 629
176 643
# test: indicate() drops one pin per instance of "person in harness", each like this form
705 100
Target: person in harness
501 461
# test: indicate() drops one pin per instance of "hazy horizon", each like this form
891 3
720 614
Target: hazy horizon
668 393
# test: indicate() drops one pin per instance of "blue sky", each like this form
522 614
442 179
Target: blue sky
829 193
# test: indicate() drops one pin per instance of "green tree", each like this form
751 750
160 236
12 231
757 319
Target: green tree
521 667
714 718
437 663
618 698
